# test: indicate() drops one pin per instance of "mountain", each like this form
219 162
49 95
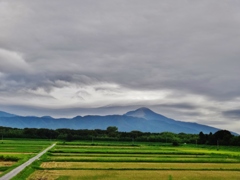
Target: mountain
167 124
4 114
142 119
145 113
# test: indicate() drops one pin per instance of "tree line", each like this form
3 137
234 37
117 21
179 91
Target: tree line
222 137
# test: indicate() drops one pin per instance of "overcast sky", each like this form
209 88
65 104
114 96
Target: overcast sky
69 57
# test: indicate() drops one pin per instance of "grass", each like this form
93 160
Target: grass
142 159
15 152
134 166
133 174
27 171
121 160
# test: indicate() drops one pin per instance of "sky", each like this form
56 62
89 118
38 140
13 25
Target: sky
77 57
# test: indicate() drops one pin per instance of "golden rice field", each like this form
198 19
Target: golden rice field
133 174
159 166
126 162
6 163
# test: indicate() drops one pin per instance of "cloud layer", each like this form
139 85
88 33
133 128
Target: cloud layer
179 58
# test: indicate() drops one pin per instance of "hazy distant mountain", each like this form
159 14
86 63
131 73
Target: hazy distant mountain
146 113
4 114
166 124
142 119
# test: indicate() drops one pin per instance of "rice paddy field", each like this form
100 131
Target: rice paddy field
15 152
120 161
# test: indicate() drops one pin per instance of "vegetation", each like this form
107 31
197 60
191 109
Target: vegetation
123 160
134 174
15 152
96 159
106 154
222 137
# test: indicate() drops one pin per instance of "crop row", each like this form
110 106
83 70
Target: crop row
125 165
15 152
134 174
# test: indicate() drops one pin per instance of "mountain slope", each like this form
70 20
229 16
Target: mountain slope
145 113
4 114
170 124
142 119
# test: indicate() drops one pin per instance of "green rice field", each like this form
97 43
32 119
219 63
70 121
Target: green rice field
15 152
118 160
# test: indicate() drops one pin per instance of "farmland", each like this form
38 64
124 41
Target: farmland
15 152
119 160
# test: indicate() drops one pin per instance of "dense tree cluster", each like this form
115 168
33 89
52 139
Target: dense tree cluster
222 137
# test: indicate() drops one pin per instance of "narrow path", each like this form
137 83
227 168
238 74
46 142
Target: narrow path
17 170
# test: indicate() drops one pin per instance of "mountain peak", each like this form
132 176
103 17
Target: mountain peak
142 119
144 112
143 109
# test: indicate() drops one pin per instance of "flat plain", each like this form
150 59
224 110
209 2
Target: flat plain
122 160
15 152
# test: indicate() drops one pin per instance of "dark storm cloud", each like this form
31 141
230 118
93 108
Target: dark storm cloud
187 46
234 114
178 106
111 48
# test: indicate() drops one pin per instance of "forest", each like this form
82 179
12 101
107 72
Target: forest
221 137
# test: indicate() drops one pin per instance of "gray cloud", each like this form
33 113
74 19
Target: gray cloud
234 114
12 62
187 106
134 50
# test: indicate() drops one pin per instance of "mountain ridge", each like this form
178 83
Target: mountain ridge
142 119
5 114
144 113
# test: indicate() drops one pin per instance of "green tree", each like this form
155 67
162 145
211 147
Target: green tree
202 138
112 131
